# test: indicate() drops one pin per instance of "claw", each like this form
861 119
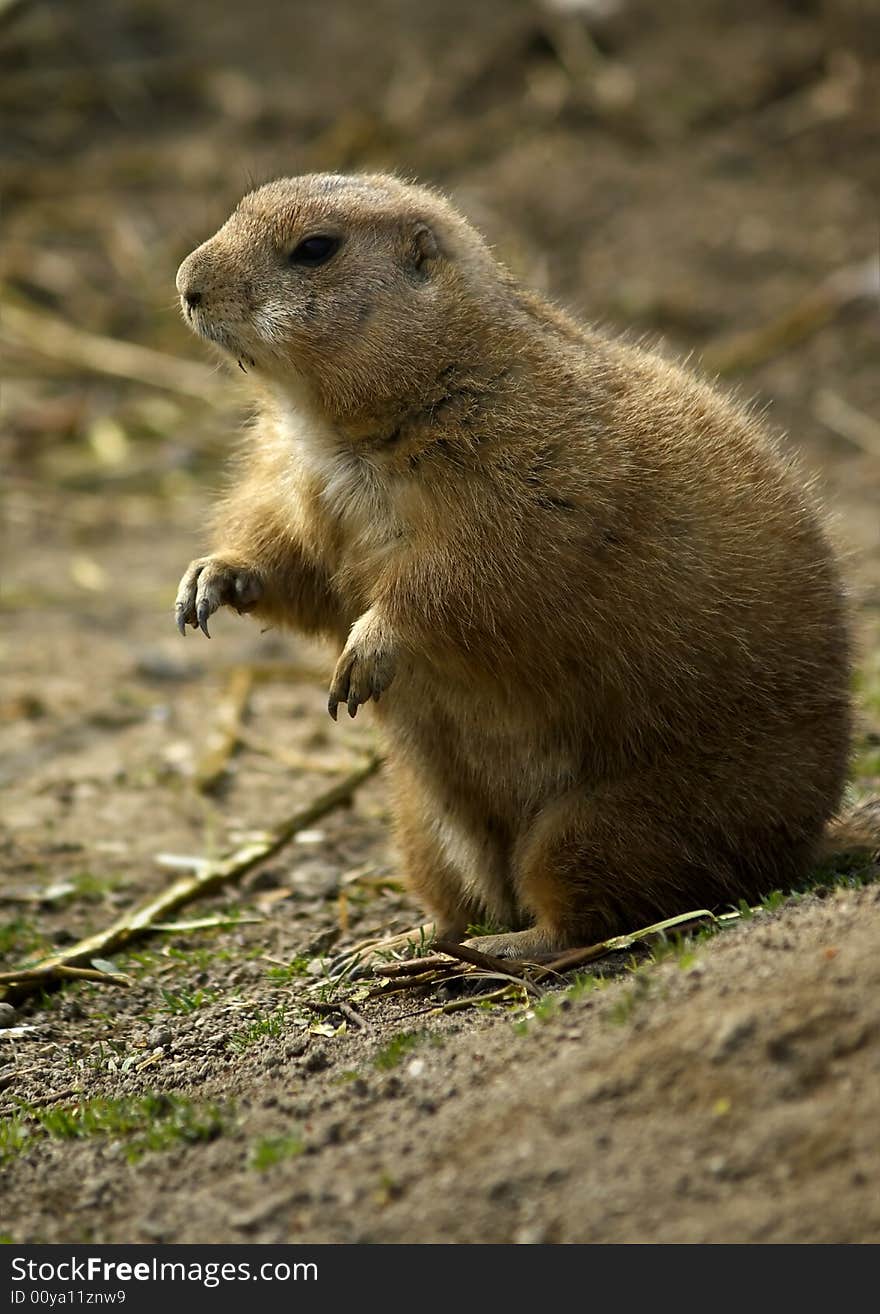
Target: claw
352 705
181 620
202 615
332 704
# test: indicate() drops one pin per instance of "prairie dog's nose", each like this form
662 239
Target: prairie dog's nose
186 283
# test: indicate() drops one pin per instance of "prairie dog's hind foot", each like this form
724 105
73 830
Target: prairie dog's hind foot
210 583
535 943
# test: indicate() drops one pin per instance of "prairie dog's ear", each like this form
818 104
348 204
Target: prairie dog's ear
422 249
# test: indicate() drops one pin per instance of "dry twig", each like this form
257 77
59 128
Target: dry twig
225 737
501 966
414 966
683 924
51 972
285 757
444 966
432 978
68 344
842 418
474 1001
42 1102
742 351
205 923
213 876
344 1010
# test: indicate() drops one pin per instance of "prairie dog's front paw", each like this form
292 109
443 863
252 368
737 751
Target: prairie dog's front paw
211 583
366 667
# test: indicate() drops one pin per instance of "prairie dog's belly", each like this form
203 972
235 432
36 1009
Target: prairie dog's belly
473 754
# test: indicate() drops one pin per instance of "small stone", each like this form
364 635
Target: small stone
316 879
154 664
310 837
316 1060
7 1015
532 1234
267 878
731 1034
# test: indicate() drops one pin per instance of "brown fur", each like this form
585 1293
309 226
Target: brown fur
602 604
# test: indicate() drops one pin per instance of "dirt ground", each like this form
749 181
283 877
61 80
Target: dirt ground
686 172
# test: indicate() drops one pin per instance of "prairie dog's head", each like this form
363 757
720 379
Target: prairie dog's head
360 287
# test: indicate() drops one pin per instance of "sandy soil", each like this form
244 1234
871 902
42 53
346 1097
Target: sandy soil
683 177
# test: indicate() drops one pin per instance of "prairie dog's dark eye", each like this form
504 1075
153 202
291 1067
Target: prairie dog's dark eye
315 250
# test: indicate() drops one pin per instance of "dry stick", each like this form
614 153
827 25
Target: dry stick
577 53
225 738
577 957
284 756
681 925
286 673
453 972
466 1001
139 923
48 335
413 966
345 1010
842 418
39 975
206 923
432 968
8 1077
741 351
504 966
342 912
41 1101
411 983
474 1001
8 7
66 82
357 958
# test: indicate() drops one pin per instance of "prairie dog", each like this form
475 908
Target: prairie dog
594 606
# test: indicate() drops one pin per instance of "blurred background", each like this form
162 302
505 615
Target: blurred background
696 173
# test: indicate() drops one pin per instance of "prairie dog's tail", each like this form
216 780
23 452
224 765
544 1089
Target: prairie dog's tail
854 835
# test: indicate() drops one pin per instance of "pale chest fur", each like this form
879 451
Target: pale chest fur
345 504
